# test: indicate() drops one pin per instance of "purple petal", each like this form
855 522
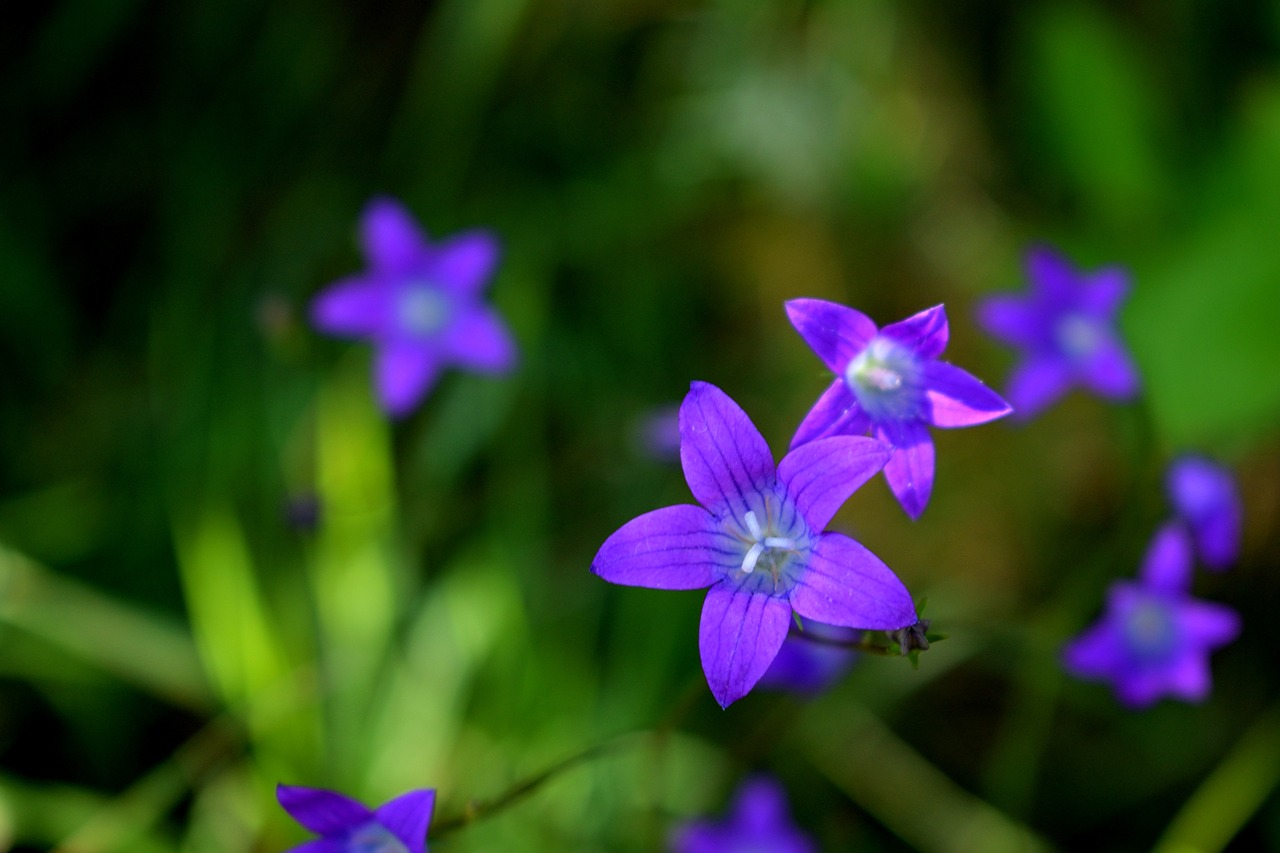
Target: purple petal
1052 276
1208 625
465 263
804 665
925 333
835 332
909 471
738 637
723 454
821 475
846 585
1204 493
675 547
1189 678
1096 653
1011 319
1168 561
407 817
760 805
1110 372
1102 294
479 340
326 813
959 399
835 413
391 239
355 307
403 373
1037 384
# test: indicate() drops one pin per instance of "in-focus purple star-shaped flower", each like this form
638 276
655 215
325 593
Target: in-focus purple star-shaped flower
889 382
348 826
1154 639
806 664
1204 495
758 821
757 541
1066 329
420 304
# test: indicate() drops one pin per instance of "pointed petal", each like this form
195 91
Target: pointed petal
479 340
1168 561
723 454
821 475
407 817
1052 276
326 813
760 806
835 413
1207 624
391 239
1204 492
1103 292
738 637
403 373
1111 373
1037 384
676 547
845 584
464 263
909 471
1218 537
925 333
355 307
958 398
1140 688
1011 319
1189 678
836 333
1096 654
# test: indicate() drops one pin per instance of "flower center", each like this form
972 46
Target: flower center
774 542
1077 336
422 310
1150 630
884 378
374 838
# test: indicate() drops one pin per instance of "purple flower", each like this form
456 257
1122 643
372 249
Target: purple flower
758 542
347 826
1154 639
805 664
1204 495
759 821
420 305
1066 329
890 382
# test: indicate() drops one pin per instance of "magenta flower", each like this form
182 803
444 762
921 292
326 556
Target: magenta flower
889 382
419 304
1204 495
757 541
758 821
808 665
347 826
1154 639
1065 328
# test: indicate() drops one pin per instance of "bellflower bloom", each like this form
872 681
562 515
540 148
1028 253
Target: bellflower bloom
347 826
1065 328
758 821
1155 639
420 305
757 541
889 382
809 666
1204 495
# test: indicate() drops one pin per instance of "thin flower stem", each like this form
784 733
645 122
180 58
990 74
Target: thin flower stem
861 645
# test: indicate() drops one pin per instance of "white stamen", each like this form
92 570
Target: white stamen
884 379
779 542
749 561
753 525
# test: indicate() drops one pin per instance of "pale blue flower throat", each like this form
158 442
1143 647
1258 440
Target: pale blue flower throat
423 310
884 379
1077 335
1150 630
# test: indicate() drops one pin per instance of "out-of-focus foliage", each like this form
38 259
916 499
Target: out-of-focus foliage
179 179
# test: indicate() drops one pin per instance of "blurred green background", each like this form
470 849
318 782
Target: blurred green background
180 179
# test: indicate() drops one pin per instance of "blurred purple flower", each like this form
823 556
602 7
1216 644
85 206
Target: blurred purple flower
889 382
347 826
658 434
1154 639
810 665
419 304
758 542
1204 495
1066 329
758 821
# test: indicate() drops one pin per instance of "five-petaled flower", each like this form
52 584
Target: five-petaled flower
758 821
889 382
1065 328
1203 494
757 541
1155 639
348 826
419 303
